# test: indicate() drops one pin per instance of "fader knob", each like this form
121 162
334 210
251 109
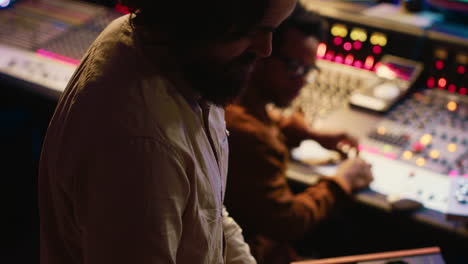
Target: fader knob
386 91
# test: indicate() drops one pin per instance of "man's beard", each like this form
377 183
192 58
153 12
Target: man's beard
220 83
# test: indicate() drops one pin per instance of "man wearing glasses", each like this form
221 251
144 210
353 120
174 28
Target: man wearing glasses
258 195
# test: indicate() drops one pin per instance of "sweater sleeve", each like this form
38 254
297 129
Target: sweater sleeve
258 195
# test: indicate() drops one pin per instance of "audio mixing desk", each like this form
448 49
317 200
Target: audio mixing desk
42 42
417 148
418 145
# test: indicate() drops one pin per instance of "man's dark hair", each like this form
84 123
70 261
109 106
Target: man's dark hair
198 22
305 21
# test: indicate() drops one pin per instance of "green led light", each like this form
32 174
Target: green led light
387 148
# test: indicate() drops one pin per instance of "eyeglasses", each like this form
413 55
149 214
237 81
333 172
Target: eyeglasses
296 67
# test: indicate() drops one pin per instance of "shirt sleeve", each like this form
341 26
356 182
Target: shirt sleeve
131 202
237 250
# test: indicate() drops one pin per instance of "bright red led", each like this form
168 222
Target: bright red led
463 91
377 66
369 62
430 82
321 50
452 88
357 45
339 58
377 49
347 46
122 9
442 83
330 55
349 59
357 63
461 69
439 65
337 41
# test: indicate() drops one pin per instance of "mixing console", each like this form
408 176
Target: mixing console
41 42
31 24
421 143
414 148
76 41
419 146
427 130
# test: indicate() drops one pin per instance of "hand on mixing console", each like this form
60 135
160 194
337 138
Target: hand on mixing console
293 125
295 129
344 143
354 174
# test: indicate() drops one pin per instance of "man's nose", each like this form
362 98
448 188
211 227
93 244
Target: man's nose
261 44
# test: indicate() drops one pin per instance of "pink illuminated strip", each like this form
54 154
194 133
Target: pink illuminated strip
57 57
372 150
321 50
339 58
453 173
389 155
357 64
465 176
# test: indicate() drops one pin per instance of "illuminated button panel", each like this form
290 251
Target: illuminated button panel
447 70
428 130
419 147
353 46
398 180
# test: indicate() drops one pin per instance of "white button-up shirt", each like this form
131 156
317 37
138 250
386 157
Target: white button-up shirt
128 174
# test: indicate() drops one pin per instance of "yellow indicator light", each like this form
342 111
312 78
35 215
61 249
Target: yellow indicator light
378 39
363 36
334 31
381 131
358 34
452 106
435 154
452 147
354 34
440 54
462 58
339 30
407 155
344 32
420 162
374 39
387 148
383 40
426 139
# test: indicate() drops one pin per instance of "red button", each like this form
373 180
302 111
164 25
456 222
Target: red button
418 147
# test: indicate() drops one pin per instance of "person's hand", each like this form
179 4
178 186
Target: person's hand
341 142
293 120
354 174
